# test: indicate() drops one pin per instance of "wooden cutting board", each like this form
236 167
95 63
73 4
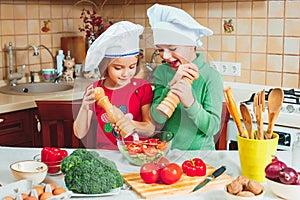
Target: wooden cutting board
76 45
184 186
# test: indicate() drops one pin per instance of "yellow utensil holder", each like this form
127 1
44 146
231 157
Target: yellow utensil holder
255 155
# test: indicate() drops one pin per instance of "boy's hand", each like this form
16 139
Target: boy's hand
189 70
183 90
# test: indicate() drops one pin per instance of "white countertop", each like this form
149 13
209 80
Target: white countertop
213 158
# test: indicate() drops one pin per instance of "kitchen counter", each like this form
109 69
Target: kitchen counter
10 103
213 158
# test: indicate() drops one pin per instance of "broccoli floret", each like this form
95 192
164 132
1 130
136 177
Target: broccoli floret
88 173
69 162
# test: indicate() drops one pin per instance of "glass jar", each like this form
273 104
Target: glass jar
296 153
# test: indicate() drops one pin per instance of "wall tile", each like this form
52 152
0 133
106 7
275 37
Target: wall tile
275 45
243 9
7 27
258 77
292 27
214 9
20 27
243 43
228 43
274 79
245 76
243 26
258 62
290 80
33 27
276 9
214 43
229 10
259 9
20 11
289 64
245 60
274 63
7 11
275 27
201 10
259 27
291 45
215 25
45 11
292 9
259 44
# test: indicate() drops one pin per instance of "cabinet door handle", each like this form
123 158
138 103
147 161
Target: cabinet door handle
2 120
38 124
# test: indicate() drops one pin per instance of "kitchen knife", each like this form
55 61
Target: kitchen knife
214 175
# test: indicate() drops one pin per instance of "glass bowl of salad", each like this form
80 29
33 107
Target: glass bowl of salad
145 150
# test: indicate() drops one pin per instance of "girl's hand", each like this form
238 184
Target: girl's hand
183 90
88 98
189 70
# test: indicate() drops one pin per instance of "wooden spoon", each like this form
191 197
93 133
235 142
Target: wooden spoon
247 119
275 100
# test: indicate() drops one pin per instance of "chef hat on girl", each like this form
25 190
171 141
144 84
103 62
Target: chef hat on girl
119 40
173 26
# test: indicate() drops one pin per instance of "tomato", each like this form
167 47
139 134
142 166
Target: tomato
162 162
171 173
149 150
134 148
194 167
149 172
152 141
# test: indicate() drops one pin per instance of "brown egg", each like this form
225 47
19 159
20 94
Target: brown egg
24 196
58 191
53 186
46 195
39 190
31 198
8 198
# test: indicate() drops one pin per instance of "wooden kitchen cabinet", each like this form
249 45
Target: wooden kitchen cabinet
57 119
18 128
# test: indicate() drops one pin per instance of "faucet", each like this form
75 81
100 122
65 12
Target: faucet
14 76
150 66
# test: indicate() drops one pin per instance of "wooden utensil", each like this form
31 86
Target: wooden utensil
247 119
275 100
231 105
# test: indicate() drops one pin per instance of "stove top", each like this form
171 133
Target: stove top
289 115
291 101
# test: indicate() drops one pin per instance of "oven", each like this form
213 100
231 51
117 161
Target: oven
286 125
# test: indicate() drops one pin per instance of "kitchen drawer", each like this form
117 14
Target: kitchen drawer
16 128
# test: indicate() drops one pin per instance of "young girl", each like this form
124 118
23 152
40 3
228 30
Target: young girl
116 52
197 117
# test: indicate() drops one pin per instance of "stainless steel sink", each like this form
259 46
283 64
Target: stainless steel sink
35 88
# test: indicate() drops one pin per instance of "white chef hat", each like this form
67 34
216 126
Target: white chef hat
119 40
173 26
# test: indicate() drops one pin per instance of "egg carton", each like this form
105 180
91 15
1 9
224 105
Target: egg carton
25 186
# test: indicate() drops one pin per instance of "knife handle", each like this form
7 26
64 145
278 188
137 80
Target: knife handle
219 171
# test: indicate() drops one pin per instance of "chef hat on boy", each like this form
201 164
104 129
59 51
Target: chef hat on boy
173 26
119 40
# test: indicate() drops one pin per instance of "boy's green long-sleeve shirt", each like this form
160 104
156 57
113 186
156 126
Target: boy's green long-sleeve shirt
194 127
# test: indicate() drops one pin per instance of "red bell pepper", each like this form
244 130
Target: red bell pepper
53 157
194 167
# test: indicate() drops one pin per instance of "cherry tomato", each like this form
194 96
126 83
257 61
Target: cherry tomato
134 148
152 141
149 172
162 146
149 150
171 173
